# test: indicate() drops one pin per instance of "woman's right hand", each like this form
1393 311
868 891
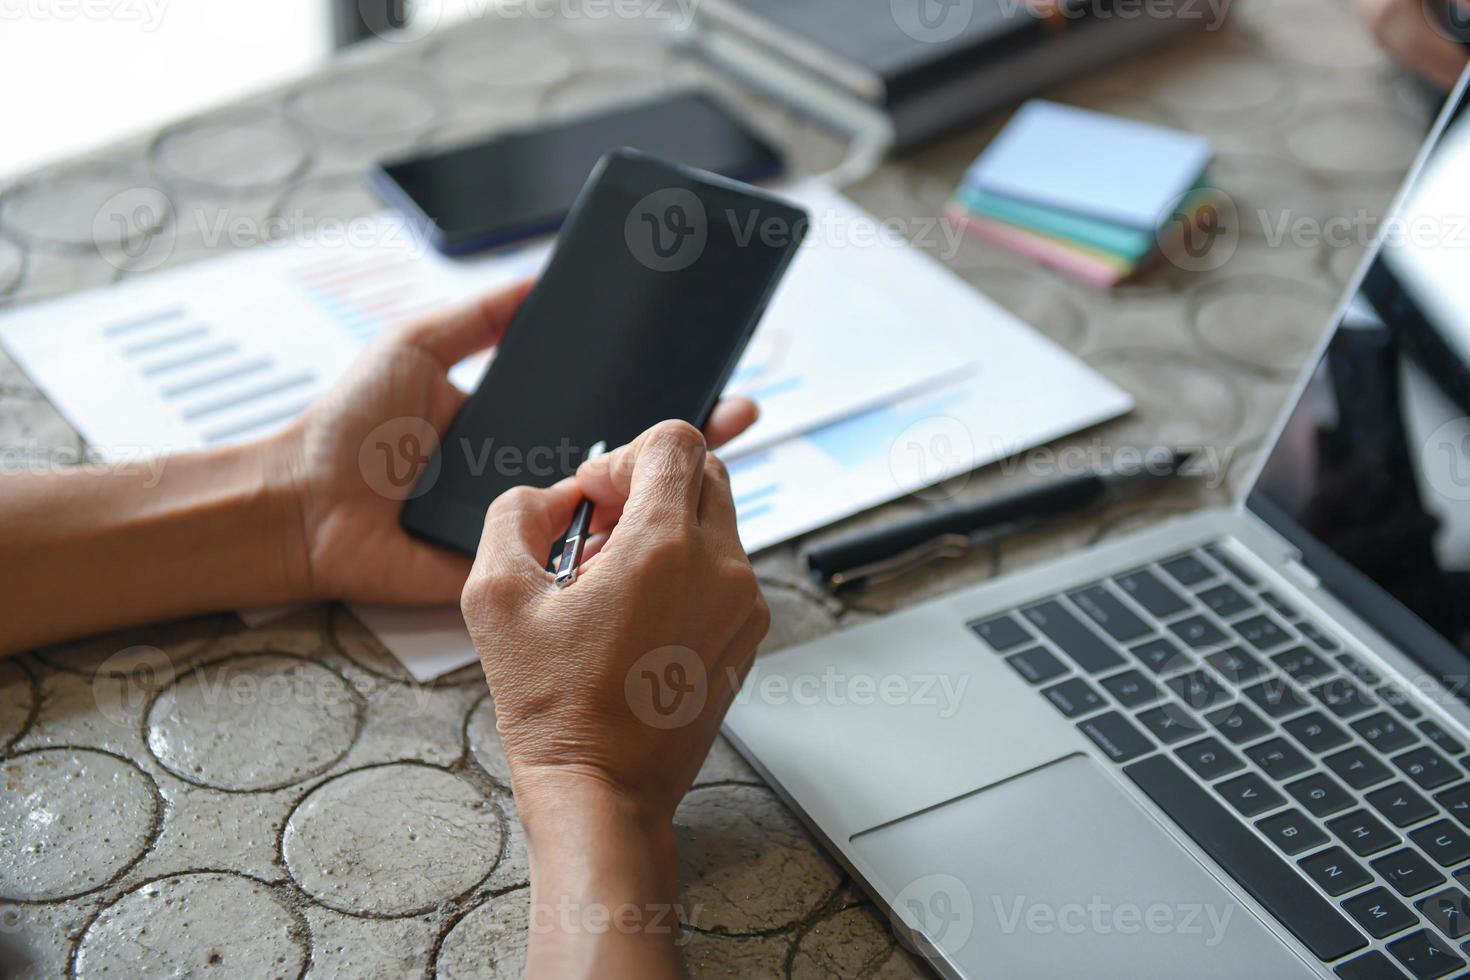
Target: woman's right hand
608 693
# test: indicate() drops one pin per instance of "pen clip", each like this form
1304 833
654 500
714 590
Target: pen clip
893 566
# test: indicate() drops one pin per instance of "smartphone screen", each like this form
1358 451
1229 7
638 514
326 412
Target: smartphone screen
656 284
522 183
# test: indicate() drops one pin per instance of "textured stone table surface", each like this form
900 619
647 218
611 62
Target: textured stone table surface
202 798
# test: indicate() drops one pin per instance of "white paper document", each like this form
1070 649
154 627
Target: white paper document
878 371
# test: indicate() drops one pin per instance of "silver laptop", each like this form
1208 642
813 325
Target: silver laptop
1232 746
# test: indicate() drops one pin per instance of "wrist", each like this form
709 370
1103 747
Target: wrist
561 804
282 502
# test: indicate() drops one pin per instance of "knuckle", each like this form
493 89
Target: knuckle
677 435
715 468
738 582
515 499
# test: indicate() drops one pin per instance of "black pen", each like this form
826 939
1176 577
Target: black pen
576 539
870 556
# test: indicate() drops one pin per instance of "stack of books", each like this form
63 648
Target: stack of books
1094 196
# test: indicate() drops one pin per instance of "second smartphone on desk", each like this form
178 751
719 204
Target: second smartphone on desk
520 184
656 284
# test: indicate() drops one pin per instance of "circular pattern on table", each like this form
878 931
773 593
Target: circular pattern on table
316 201
494 56
483 740
89 208
12 264
239 151
391 840
591 90
1228 87
745 863
20 698
125 650
1269 194
1178 401
253 722
848 943
360 645
1264 324
209 923
1044 307
1354 140
489 940
71 820
1318 37
364 105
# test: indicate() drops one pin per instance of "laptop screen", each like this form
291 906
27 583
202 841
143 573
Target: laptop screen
1370 476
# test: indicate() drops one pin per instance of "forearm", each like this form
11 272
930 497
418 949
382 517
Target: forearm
604 885
82 552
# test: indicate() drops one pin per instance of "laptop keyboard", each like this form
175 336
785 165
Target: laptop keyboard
1320 788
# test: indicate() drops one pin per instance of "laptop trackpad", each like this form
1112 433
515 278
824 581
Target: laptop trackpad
1057 873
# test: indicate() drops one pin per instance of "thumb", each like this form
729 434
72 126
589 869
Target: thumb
520 528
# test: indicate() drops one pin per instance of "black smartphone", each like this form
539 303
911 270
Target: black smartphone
521 184
652 292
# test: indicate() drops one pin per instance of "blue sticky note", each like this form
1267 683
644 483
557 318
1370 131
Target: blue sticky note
1092 164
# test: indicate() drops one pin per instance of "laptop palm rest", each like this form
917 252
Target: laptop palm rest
1057 873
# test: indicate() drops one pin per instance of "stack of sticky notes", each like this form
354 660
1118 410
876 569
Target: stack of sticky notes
1092 195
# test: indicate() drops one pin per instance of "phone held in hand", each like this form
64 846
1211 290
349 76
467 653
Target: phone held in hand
656 284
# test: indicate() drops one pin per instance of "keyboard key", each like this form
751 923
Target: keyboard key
1363 833
1246 858
1407 872
1074 697
1036 665
1457 802
1107 611
1445 843
1292 831
1335 872
1002 632
1372 965
1380 913
1426 767
1209 758
1223 559
1278 758
1441 738
1315 731
1448 910
1187 570
1238 723
1235 665
1261 632
1152 594
1170 723
1315 636
1197 689
1131 688
1426 957
1225 601
1278 605
1302 664
1398 701
1161 656
1250 794
1197 632
1084 647
1116 736
1383 732
1319 794
1358 669
1276 697
1401 805
1342 697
